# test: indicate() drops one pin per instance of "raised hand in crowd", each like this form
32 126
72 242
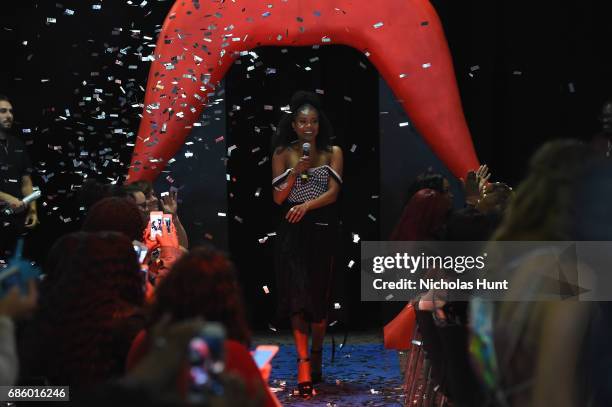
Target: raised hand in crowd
164 239
472 191
482 175
169 203
475 184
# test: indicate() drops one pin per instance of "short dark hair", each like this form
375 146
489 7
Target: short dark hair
5 98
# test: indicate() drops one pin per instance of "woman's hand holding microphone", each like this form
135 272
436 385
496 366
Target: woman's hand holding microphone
296 213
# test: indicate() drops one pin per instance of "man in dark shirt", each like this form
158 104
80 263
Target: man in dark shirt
15 181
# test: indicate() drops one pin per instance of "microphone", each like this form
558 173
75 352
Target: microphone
306 153
26 200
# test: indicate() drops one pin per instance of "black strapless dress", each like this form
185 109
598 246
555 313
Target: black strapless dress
304 256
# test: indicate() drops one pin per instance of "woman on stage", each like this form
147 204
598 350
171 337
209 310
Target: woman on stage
307 174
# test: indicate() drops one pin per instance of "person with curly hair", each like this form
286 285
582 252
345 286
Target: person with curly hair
307 175
203 284
88 314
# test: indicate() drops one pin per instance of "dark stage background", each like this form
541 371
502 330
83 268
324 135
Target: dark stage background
527 73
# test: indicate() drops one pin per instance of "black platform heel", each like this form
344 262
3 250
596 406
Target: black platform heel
316 368
305 390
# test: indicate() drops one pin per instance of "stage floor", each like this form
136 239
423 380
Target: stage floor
363 373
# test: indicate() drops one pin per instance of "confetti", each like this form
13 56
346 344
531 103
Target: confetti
353 148
404 124
372 217
351 264
378 25
266 290
427 65
355 238
221 214
388 297
337 305
474 68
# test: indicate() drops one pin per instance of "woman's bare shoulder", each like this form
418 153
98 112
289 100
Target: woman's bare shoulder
284 151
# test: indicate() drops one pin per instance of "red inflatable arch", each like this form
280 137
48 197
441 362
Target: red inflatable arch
201 38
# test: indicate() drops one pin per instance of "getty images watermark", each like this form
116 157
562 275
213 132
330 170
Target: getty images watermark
497 271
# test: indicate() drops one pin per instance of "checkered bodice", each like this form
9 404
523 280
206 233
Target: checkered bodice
306 190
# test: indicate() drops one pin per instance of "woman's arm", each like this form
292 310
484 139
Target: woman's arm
328 197
279 167
281 192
